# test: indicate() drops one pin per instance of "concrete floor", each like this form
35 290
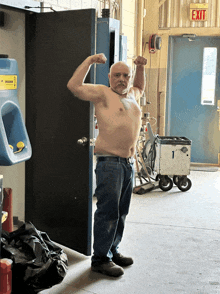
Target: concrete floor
174 238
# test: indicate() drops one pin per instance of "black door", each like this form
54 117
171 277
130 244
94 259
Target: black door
1 203
59 174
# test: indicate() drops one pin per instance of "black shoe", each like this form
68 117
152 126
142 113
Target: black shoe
121 260
108 268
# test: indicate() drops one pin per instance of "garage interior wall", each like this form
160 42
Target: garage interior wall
170 18
13 44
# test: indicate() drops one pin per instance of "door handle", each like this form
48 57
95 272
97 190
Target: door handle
83 141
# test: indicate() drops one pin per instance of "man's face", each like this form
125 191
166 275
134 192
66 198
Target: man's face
119 78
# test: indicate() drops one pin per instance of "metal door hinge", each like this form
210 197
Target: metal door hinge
92 142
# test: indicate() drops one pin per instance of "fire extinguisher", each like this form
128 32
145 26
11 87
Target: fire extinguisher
5 276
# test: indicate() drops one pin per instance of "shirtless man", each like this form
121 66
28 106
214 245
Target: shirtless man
119 120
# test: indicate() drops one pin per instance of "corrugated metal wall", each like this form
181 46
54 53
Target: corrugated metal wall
176 14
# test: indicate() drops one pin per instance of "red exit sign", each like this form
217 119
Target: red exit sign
199 11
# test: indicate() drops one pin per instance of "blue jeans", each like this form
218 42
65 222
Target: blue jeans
114 179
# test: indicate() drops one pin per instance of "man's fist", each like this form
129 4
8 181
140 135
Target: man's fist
99 58
140 61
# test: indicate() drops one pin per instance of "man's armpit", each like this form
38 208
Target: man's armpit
137 93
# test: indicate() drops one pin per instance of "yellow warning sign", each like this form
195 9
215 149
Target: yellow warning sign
8 82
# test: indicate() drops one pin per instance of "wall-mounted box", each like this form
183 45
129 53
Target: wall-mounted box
12 126
108 42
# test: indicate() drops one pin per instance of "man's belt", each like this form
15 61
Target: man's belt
116 158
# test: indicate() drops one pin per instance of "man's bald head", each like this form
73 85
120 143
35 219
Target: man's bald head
119 64
120 77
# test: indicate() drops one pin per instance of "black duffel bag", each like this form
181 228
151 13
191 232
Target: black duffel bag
38 263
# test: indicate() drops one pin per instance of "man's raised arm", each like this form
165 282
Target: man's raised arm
139 79
76 84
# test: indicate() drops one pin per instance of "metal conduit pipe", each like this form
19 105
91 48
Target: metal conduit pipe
169 13
218 16
121 16
140 26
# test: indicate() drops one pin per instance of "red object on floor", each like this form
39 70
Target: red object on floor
7 206
5 276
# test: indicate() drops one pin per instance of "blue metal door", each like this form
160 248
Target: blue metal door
185 114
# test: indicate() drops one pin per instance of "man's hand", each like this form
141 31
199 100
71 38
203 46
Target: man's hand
98 58
140 61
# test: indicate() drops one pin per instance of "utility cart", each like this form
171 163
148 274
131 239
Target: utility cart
168 159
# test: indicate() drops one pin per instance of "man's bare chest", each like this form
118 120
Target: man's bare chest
118 109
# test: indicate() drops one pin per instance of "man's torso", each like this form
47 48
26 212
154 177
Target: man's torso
119 121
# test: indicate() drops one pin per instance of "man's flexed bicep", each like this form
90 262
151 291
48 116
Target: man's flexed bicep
76 85
90 92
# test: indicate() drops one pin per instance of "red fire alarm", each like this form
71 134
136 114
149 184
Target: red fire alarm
155 43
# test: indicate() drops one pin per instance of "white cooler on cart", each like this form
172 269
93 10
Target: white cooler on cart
173 157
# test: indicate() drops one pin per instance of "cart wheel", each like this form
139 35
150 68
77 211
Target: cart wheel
166 184
184 184
175 180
